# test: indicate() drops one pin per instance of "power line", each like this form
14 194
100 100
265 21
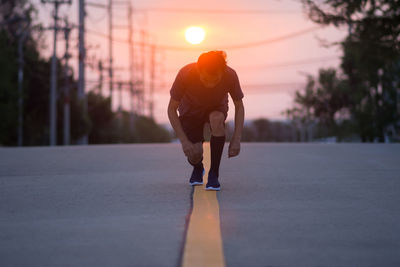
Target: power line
289 63
239 46
245 45
98 19
255 88
200 10
104 35
162 87
277 65
167 85
216 11
264 85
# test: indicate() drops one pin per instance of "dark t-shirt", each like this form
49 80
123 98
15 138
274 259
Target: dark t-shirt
195 98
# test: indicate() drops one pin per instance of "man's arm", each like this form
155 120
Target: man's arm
187 146
234 146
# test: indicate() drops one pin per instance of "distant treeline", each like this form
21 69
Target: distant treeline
101 124
265 130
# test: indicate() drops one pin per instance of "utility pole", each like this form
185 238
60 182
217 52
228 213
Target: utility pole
120 113
152 76
120 97
53 74
143 72
131 67
110 48
67 31
398 106
22 34
53 84
100 67
81 65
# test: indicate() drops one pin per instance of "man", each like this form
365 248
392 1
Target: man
200 93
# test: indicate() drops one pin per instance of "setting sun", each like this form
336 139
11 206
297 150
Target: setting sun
195 35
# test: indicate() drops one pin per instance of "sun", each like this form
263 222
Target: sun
195 35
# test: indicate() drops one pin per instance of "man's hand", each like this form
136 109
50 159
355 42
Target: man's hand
188 148
234 148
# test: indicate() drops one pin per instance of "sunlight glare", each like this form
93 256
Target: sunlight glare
195 35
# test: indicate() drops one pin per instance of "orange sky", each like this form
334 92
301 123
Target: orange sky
268 73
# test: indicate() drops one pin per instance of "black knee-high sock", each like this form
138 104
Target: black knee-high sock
216 146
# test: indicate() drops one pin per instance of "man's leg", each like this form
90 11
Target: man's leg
217 141
193 128
194 131
196 161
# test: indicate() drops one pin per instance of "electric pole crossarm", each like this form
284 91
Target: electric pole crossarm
57 2
97 5
121 26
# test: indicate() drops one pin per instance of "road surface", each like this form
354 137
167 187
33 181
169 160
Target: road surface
130 205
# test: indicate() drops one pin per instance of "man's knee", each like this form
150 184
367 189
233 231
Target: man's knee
198 153
217 119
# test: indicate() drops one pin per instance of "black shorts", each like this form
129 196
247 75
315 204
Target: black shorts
193 126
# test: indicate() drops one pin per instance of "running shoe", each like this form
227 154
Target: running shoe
213 183
197 176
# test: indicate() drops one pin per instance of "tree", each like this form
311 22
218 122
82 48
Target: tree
146 130
16 16
102 124
101 116
371 59
8 97
35 82
324 103
115 127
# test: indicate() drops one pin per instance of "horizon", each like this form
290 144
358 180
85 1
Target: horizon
268 81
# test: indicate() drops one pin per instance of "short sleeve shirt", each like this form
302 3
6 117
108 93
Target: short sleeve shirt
195 98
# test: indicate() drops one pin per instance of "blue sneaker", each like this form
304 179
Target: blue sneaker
197 176
213 183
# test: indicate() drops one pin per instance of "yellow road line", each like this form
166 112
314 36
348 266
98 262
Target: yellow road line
203 246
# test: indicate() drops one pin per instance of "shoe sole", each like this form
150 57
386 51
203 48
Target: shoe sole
198 183
213 188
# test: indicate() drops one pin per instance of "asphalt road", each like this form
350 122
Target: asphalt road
126 205
312 205
119 205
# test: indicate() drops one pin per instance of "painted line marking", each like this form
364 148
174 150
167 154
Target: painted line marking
203 246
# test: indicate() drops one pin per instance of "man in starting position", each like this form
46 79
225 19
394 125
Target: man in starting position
200 93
